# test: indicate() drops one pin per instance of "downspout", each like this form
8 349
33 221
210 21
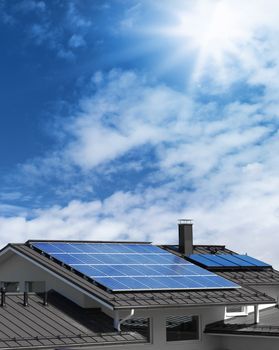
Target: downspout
117 322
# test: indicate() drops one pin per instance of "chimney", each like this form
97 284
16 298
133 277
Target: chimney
185 236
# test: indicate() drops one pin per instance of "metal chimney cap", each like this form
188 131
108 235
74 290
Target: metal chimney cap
185 221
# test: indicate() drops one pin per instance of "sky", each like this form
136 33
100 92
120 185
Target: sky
119 117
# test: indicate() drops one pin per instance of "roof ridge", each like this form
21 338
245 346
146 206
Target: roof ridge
30 241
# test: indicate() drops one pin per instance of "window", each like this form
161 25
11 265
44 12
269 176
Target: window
182 328
11 287
139 325
236 310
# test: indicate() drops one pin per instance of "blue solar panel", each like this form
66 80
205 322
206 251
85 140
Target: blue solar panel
235 259
253 261
204 260
227 260
124 267
222 260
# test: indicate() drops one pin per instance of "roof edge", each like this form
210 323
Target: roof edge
30 241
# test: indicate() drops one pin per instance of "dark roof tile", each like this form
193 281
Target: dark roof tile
60 323
252 277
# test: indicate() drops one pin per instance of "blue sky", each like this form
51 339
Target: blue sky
120 117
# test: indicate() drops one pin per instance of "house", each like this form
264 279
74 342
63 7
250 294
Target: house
135 295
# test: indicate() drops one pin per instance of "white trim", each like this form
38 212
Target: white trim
9 248
244 311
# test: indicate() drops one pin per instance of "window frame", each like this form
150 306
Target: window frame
243 312
149 333
188 341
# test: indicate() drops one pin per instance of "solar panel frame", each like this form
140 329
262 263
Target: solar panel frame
227 260
126 267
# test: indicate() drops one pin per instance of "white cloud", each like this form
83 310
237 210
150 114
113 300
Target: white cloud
246 222
217 162
131 17
43 28
75 18
40 32
76 41
123 115
30 5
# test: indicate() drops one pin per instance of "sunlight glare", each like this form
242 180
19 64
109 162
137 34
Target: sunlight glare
213 29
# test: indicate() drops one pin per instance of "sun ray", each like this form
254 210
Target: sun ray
210 31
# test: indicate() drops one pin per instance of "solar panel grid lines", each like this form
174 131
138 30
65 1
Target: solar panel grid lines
236 260
204 260
125 267
253 261
227 260
222 260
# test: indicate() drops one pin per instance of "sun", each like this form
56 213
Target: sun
210 25
212 29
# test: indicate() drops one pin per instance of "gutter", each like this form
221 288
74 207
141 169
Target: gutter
117 322
194 305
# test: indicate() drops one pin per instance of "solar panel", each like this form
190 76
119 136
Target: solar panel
227 260
253 261
128 266
204 260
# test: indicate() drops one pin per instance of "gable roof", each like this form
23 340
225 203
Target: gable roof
148 299
60 323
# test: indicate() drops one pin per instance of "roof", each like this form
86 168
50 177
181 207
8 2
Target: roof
242 276
211 249
155 299
252 277
244 325
60 323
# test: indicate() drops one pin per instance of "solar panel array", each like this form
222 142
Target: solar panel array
227 260
125 267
